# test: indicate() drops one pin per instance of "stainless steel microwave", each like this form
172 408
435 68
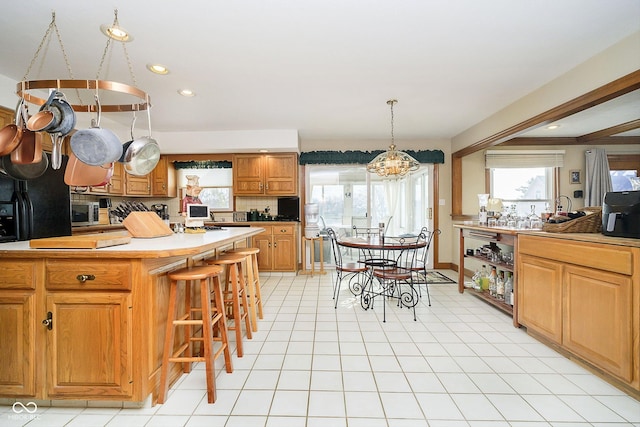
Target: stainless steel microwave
85 213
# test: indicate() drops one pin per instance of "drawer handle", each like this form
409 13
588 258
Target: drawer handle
84 277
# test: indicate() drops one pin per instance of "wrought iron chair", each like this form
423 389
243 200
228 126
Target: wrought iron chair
396 275
345 270
419 266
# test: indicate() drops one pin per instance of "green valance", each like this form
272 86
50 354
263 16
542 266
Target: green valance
363 157
204 164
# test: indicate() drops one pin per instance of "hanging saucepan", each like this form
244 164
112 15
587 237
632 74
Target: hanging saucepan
29 150
46 118
57 118
10 134
96 146
80 174
24 172
140 155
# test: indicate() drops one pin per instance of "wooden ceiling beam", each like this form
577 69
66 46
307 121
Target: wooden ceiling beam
613 130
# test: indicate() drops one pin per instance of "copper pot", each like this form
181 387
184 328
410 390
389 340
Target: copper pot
10 134
80 174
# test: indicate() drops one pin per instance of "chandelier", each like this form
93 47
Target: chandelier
392 162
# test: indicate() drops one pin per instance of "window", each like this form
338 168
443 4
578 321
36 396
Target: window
348 193
217 186
624 170
523 187
524 178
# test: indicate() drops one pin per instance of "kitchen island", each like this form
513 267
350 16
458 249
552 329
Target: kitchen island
88 324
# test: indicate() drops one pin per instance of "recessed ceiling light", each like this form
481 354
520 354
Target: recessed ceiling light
552 127
157 69
186 92
116 32
264 151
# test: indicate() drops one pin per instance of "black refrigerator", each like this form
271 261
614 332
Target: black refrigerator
35 208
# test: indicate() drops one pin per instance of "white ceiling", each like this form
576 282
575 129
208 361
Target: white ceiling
323 68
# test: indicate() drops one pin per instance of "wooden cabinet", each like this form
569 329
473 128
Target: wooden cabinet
161 182
138 185
277 244
18 320
502 240
82 329
89 345
598 318
163 179
540 297
584 297
7 116
268 174
115 186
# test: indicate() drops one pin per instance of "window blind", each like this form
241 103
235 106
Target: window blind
524 158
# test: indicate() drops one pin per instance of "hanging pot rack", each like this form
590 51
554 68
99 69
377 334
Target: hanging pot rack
23 87
95 85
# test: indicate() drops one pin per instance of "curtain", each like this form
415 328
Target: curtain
391 192
597 177
363 157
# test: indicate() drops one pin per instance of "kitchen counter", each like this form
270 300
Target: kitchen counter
180 244
82 325
580 237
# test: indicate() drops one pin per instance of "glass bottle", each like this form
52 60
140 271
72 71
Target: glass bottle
500 286
484 278
493 277
508 289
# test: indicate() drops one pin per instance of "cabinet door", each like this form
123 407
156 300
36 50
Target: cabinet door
540 296
163 179
138 185
284 253
89 344
7 116
116 183
281 177
248 174
598 320
263 242
18 350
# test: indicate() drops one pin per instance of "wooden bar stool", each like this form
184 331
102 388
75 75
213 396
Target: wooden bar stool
209 280
253 283
235 295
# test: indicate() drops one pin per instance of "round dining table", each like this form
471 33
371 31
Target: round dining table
381 252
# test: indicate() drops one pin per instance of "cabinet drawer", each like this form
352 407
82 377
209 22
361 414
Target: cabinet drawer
282 229
88 275
16 274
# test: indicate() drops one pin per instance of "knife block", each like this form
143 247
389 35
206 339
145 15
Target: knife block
146 224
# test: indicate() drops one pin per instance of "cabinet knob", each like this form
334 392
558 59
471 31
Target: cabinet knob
48 322
84 277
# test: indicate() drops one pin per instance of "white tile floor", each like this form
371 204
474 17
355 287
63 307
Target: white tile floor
461 364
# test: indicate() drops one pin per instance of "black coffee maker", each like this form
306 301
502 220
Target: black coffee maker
162 210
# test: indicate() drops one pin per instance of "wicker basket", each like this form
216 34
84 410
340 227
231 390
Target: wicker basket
590 223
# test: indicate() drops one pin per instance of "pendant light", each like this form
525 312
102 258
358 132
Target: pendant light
392 162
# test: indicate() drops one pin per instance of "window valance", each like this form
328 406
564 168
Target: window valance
203 164
363 157
524 159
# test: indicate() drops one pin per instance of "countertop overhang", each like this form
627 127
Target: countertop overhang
177 244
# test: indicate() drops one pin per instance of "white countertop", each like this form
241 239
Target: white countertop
175 244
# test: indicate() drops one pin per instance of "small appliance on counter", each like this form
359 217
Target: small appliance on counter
621 214
288 209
